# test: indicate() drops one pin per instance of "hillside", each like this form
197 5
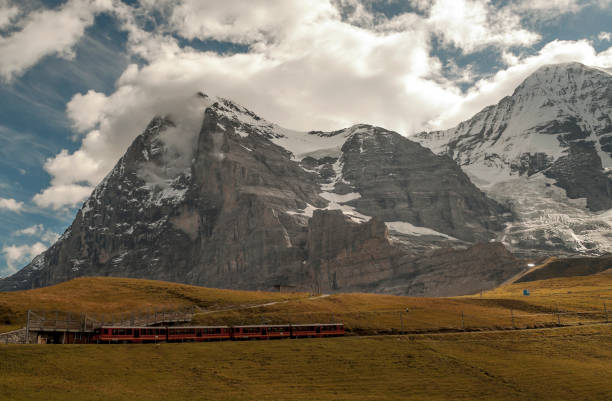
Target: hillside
580 298
569 267
504 365
107 295
558 364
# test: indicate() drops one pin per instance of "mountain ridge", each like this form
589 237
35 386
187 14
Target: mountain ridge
245 209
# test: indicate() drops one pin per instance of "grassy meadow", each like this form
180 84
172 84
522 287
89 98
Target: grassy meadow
488 361
569 300
107 295
570 363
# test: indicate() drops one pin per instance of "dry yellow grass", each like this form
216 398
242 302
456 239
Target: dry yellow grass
558 364
106 295
504 307
572 293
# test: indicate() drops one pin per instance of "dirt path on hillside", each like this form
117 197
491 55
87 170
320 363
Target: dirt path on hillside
244 307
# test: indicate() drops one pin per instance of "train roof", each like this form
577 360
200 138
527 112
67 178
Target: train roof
163 327
293 325
133 327
198 327
220 327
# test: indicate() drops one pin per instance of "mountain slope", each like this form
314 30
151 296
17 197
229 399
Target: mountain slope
547 151
246 204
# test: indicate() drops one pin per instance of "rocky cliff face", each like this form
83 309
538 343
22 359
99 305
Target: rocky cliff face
544 151
251 205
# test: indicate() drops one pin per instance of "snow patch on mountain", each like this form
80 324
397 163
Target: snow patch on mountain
406 228
336 201
547 218
315 144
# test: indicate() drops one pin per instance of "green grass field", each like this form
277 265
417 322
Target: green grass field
554 364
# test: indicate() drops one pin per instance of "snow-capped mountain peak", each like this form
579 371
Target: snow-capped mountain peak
555 129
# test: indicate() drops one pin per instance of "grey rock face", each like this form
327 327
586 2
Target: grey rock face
581 174
244 212
448 271
399 180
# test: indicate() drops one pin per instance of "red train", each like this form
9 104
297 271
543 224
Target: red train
123 334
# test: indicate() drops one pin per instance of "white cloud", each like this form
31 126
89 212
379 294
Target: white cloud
306 68
491 90
49 237
474 24
604 36
547 10
85 111
46 32
39 231
260 21
8 13
10 204
31 231
552 6
58 196
19 255
321 73
509 58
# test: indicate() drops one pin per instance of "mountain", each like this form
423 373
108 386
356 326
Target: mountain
244 203
546 152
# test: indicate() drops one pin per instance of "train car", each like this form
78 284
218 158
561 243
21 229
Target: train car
317 330
261 332
278 331
198 333
128 334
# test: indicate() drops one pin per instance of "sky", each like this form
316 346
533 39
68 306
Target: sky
80 79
